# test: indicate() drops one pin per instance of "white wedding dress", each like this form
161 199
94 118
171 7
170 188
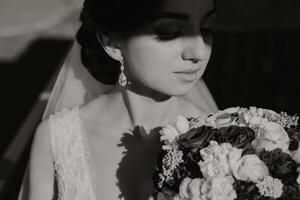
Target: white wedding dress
70 157
74 169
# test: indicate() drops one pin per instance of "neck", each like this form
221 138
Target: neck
149 111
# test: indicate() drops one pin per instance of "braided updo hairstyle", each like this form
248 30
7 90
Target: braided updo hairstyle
115 19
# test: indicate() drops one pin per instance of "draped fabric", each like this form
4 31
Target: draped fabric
74 85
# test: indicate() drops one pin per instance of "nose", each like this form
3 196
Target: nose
196 50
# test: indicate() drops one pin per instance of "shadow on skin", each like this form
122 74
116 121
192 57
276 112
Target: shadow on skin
137 166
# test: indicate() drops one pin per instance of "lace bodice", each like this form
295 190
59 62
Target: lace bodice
70 156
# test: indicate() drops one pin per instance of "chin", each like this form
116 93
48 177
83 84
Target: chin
178 89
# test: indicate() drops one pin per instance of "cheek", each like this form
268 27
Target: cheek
149 59
153 63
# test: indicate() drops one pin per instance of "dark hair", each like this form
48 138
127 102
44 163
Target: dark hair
111 18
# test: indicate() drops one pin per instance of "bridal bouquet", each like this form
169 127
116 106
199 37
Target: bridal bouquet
238 153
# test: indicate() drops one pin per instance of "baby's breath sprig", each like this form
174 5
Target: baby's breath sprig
270 187
170 162
283 119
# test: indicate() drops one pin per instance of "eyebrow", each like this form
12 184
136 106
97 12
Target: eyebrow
171 15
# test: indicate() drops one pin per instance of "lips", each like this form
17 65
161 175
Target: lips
188 75
192 71
188 71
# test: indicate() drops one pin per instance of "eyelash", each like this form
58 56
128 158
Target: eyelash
164 37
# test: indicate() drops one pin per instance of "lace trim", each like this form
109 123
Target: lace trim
70 156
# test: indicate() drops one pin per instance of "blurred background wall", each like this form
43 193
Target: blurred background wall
35 37
256 68
255 61
255 58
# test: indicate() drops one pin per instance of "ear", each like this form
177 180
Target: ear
111 46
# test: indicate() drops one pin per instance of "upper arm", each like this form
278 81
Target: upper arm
41 172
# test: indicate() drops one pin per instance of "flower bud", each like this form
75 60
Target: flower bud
182 124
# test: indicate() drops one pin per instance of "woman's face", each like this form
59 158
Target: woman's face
170 54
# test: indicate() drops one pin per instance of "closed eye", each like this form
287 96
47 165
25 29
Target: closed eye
167 30
167 36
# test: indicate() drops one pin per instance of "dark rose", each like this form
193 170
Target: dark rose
196 138
294 135
290 192
166 194
280 165
246 190
239 137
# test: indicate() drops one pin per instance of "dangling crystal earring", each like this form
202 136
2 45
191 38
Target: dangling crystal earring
122 76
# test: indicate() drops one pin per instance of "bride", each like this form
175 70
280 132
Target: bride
154 53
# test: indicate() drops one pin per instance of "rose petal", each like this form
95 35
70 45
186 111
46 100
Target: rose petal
182 124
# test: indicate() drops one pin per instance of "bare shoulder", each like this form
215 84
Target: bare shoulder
40 164
42 135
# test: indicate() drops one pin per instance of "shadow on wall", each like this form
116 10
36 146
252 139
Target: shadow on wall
259 68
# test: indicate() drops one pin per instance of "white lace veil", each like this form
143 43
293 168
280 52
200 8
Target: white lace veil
74 85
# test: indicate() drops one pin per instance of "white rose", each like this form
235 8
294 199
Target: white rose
255 120
252 117
215 160
260 111
218 188
172 130
271 135
250 168
234 158
169 133
211 120
222 118
182 124
190 188
232 110
252 109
